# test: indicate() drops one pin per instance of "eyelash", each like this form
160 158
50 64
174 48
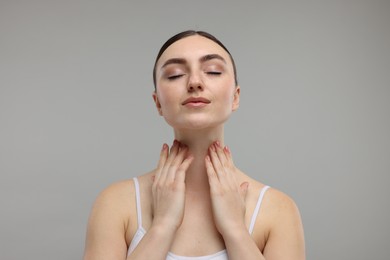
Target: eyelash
175 77
213 73
216 73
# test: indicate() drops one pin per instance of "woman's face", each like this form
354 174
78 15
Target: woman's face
195 86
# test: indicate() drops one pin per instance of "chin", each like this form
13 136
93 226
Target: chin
197 124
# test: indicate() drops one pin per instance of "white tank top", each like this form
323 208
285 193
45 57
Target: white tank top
221 255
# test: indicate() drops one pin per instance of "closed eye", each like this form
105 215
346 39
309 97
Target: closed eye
214 73
173 77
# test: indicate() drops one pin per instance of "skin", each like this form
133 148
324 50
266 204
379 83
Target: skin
196 201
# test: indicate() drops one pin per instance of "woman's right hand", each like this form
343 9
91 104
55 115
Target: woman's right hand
169 186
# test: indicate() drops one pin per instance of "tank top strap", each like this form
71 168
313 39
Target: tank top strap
257 208
138 202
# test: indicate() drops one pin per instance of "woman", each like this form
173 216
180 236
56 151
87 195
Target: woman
196 204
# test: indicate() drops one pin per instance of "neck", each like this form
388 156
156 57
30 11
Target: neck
198 142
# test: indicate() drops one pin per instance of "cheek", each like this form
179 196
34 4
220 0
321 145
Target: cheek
162 93
228 94
166 98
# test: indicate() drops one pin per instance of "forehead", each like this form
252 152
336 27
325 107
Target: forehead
192 48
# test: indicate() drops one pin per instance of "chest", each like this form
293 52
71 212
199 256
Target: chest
197 234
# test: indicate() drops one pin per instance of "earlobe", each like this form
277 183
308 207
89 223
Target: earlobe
236 98
157 103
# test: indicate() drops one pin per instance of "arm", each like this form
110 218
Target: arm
107 227
286 236
107 224
168 203
228 203
285 240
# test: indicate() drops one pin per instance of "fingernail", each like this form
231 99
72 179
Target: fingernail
217 144
164 147
227 149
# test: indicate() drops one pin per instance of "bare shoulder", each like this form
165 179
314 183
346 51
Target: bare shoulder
278 230
106 224
113 201
279 204
109 221
117 190
285 236
117 201
121 194
275 202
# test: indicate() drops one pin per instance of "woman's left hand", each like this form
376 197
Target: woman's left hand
227 195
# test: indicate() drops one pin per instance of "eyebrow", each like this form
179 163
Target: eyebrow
202 59
211 57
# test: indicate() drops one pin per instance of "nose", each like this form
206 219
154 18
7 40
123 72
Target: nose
195 83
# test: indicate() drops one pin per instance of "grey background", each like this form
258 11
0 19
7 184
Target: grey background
76 112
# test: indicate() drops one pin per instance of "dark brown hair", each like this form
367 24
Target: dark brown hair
185 34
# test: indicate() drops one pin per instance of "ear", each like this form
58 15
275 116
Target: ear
236 98
157 103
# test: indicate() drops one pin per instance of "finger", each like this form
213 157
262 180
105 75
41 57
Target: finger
228 165
225 168
214 157
181 154
181 172
178 160
228 153
216 163
212 175
172 154
162 160
163 156
221 155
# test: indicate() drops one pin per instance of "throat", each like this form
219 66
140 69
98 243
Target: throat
197 182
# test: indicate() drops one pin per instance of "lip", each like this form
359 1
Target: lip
196 101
